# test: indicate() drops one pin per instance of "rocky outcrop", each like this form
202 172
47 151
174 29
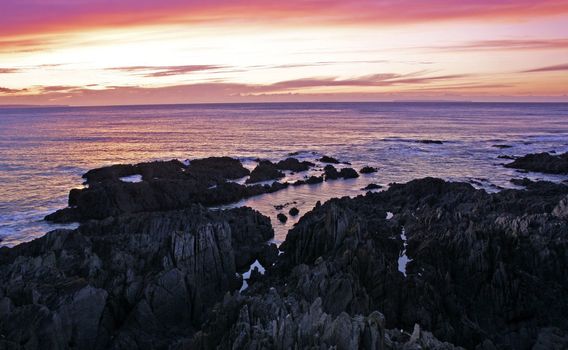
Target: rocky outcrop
478 270
133 281
274 321
542 162
293 164
265 171
422 265
368 170
331 173
329 160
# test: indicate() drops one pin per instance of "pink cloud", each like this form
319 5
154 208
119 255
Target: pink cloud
556 68
164 71
505 45
41 16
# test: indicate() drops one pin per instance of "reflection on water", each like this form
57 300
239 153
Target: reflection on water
43 152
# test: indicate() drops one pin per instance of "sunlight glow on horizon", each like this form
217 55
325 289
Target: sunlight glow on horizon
227 60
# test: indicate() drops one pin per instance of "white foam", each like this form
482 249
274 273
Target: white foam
403 260
131 178
389 215
246 275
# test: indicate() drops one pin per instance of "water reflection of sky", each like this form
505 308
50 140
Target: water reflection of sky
43 152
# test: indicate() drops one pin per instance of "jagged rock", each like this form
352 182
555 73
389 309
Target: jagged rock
561 210
133 281
542 162
294 211
371 187
265 171
490 254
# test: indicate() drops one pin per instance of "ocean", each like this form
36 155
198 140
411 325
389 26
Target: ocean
44 151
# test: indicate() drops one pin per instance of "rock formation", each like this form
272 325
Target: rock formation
542 162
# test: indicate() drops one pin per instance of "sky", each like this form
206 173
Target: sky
109 52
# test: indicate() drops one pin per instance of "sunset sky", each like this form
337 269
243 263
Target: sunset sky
108 52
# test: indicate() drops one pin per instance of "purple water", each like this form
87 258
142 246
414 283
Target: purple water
44 151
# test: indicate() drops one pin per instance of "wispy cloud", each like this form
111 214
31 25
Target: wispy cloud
165 71
8 91
9 70
375 80
214 91
504 45
556 68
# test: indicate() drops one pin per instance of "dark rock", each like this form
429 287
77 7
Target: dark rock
269 255
281 217
330 160
174 187
294 165
282 206
368 170
330 172
133 281
173 169
502 146
371 187
312 180
348 173
265 171
465 248
226 167
506 157
542 162
294 211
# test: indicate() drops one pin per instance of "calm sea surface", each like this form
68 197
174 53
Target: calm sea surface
44 151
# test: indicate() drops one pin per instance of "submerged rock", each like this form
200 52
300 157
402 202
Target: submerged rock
371 187
435 142
542 162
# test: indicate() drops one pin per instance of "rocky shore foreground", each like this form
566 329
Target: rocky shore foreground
428 264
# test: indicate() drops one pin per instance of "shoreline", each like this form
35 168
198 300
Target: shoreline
174 265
